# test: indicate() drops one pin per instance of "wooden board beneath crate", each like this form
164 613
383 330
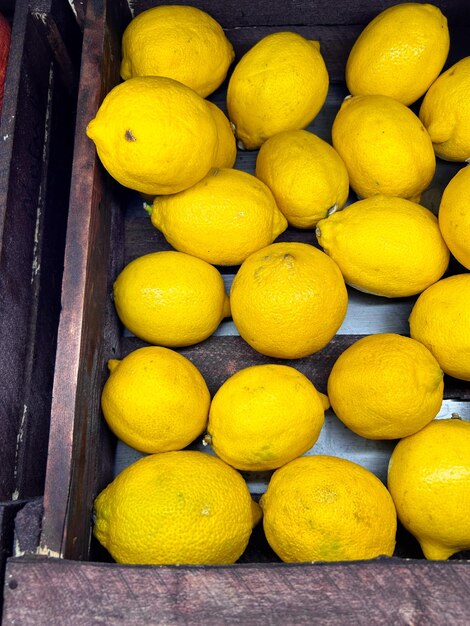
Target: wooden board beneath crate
39 592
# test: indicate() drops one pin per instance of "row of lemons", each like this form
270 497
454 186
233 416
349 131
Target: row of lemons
157 134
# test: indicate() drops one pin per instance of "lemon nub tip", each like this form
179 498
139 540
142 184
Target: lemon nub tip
89 130
325 401
256 512
435 552
226 311
112 364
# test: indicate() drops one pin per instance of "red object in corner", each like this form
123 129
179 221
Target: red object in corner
5 38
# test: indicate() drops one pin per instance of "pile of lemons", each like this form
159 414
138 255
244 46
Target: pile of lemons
156 133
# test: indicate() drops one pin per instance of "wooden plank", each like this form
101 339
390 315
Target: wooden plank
217 358
79 8
60 28
12 301
8 511
383 591
19 525
24 127
34 177
46 280
232 13
78 444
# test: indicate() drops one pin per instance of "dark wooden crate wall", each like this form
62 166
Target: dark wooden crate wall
36 154
37 123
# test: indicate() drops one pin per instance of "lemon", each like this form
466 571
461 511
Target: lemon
306 175
222 219
179 507
385 147
429 478
181 42
454 216
386 386
386 246
399 53
155 400
226 146
281 83
154 135
170 298
440 319
288 300
323 508
445 112
264 416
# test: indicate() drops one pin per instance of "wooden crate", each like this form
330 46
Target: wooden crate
36 147
69 579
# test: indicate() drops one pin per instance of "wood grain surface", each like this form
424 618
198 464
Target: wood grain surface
280 13
8 511
388 591
79 446
37 124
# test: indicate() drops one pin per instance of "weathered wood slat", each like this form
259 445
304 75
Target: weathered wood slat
217 358
60 30
35 165
8 511
78 441
23 130
384 591
258 13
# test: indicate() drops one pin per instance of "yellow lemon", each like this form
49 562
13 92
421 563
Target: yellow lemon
399 53
386 386
280 84
429 478
181 42
155 400
226 146
306 175
288 300
385 147
170 298
323 508
222 219
445 112
440 319
264 416
386 246
155 135
454 216
180 507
